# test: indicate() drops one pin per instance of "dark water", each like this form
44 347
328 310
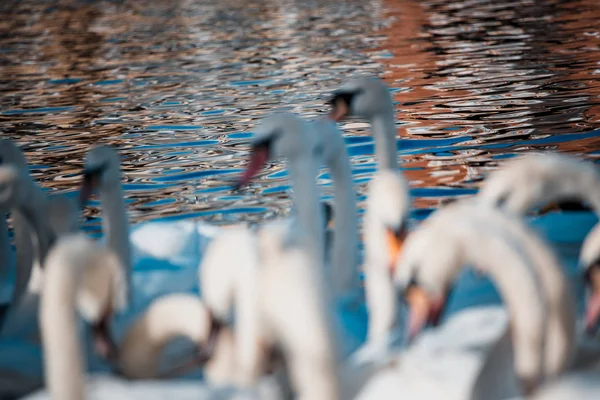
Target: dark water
178 86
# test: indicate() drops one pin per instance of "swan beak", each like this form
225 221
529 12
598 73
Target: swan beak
592 314
88 184
258 158
341 107
550 207
529 386
419 304
104 345
395 239
423 309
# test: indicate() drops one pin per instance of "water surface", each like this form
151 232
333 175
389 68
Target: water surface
177 86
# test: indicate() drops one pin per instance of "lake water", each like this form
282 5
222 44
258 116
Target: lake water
178 86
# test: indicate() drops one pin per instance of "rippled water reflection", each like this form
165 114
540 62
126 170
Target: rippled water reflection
178 85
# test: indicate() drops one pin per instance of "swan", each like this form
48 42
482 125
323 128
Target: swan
533 180
19 193
6 267
151 245
461 236
370 98
385 225
344 252
168 317
102 172
589 261
26 202
83 276
287 275
75 261
388 201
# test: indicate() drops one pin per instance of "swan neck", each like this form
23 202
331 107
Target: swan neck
5 250
384 131
345 240
521 293
33 235
309 210
116 227
63 357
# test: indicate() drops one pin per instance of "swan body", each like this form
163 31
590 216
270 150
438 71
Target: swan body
534 180
27 204
388 202
78 274
21 195
82 275
289 278
461 237
441 363
385 222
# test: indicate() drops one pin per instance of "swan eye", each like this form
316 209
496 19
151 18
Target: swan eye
267 141
501 200
95 170
344 95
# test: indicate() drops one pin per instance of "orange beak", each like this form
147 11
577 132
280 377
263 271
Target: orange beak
258 158
422 310
592 313
340 110
552 206
394 240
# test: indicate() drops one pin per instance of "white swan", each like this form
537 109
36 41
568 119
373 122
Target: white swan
385 225
426 277
72 264
589 261
290 279
82 275
460 238
102 171
534 180
167 318
30 206
24 198
388 202
370 98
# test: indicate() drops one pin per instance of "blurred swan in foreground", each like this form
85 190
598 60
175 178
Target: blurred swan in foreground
284 276
462 235
83 276
38 220
534 181
27 204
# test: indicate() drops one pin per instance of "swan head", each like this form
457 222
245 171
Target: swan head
281 135
425 272
589 260
386 216
10 186
11 154
101 293
101 169
534 180
363 97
